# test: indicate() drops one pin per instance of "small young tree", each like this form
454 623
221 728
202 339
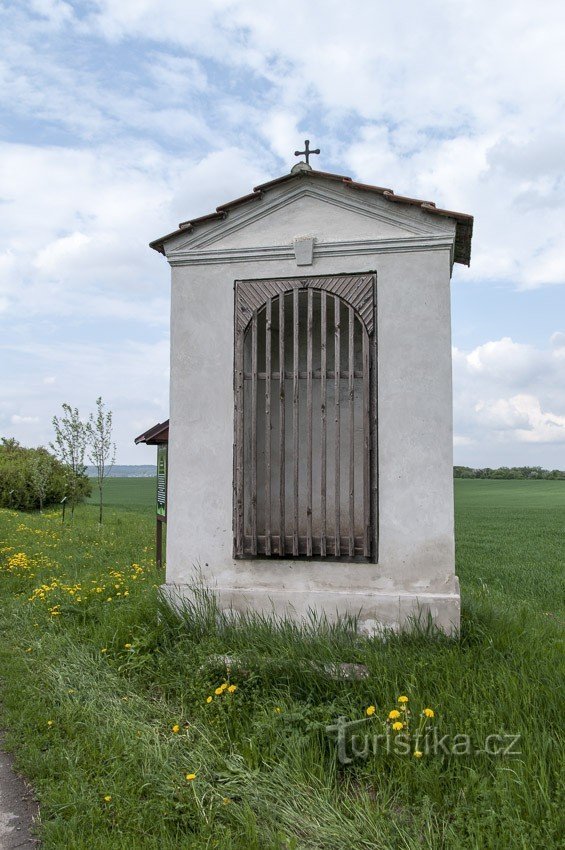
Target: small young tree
40 474
70 446
101 447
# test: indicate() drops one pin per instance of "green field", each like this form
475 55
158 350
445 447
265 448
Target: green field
107 703
127 492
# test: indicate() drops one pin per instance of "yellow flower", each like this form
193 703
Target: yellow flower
398 726
104 650
278 710
429 712
418 754
232 689
50 722
402 699
370 711
176 728
127 645
226 801
392 715
219 691
209 699
107 798
190 776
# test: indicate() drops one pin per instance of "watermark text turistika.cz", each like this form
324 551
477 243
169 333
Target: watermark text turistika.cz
354 742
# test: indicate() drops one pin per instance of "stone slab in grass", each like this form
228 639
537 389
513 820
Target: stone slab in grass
333 670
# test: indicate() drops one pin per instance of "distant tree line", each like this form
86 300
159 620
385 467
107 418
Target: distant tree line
509 472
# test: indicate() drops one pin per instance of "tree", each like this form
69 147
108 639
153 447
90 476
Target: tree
69 446
40 473
101 447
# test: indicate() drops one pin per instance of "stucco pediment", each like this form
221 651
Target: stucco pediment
327 215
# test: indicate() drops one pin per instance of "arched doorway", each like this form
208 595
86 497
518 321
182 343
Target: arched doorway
303 432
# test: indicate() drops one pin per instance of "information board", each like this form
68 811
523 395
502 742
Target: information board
162 481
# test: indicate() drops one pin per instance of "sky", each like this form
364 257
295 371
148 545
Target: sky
120 118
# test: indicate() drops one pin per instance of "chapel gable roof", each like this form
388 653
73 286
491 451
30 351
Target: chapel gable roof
463 222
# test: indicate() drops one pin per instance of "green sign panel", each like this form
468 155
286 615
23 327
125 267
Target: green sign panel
162 481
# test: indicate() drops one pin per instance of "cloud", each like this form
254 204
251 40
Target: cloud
494 422
121 119
16 419
523 416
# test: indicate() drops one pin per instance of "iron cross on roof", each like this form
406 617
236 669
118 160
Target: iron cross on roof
307 152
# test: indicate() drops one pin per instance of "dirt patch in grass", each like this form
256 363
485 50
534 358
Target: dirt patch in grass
18 807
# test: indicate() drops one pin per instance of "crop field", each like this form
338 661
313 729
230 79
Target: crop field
126 492
135 735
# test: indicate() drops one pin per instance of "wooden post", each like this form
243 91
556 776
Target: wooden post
239 486
282 493
159 541
268 331
337 376
296 443
366 448
310 323
323 402
351 385
254 434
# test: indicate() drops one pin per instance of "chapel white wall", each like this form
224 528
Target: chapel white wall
416 548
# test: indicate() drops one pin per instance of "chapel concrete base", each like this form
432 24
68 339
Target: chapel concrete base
376 611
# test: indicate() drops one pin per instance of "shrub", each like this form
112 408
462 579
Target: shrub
33 478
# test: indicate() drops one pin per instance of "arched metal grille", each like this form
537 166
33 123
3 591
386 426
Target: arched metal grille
302 476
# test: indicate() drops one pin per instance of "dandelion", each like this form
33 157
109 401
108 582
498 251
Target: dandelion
226 801
232 689
219 691
50 722
176 728
418 754
370 711
105 649
108 798
403 699
392 715
190 776
398 726
127 645
209 699
429 712
278 710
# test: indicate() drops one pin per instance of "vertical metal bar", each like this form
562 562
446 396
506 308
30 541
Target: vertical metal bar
239 458
337 376
310 329
351 384
282 493
323 435
295 389
366 448
268 332
254 433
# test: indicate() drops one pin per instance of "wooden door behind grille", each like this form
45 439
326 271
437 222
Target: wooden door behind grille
302 477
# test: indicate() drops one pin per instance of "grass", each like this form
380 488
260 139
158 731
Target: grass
91 695
126 492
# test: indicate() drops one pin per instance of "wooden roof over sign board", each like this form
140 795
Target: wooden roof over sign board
154 436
